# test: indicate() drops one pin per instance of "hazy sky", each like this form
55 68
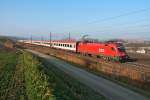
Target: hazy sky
97 18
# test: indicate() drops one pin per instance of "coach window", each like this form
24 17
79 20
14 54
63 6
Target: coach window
70 46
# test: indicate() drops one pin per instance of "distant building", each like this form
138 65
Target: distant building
141 51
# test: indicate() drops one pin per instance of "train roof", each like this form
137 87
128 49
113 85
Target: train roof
65 41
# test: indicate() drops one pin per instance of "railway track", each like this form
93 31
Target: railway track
139 66
135 65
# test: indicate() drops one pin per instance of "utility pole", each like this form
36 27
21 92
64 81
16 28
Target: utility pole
23 42
41 39
69 36
31 39
50 38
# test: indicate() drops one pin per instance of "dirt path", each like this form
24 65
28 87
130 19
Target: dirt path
105 87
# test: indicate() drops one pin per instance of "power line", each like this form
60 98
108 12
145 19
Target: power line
115 17
121 15
125 27
122 24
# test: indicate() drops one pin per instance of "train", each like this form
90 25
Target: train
106 50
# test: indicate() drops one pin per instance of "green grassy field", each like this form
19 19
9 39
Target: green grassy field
10 81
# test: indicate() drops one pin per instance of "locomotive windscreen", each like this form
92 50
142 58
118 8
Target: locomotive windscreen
121 47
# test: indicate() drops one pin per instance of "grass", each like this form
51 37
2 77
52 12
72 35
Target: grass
8 79
36 82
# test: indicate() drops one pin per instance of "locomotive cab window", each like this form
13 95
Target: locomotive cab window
112 48
121 47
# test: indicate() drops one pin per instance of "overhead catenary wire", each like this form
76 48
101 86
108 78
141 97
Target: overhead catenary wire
121 15
113 17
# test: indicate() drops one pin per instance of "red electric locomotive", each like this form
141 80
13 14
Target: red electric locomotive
109 51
